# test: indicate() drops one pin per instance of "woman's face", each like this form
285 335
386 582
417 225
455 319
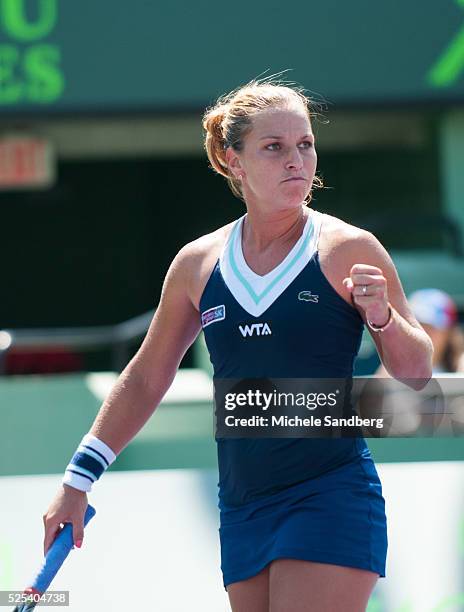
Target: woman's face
278 161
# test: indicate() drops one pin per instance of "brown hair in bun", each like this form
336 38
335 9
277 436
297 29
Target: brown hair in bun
230 119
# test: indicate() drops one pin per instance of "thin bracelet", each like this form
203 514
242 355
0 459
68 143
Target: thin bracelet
382 328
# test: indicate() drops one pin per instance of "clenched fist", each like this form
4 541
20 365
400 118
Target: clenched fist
368 287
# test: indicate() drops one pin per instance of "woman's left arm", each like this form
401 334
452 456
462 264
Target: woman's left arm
404 347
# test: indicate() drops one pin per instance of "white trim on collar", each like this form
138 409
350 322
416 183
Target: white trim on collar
256 293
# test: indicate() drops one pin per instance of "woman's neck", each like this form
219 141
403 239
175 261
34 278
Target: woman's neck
263 228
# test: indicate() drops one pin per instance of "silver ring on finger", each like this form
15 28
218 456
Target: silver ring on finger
364 289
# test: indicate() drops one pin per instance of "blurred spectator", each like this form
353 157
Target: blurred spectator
437 313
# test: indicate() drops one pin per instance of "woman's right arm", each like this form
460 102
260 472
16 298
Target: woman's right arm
140 387
143 383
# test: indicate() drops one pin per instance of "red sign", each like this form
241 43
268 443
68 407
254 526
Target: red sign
26 162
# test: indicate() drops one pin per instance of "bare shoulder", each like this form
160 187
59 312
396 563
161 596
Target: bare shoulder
195 261
342 245
335 232
341 242
176 323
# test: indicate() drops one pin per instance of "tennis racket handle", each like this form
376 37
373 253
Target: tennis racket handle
56 555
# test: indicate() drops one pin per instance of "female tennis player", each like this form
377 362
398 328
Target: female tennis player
303 525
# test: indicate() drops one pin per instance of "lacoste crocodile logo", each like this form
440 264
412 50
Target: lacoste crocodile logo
307 296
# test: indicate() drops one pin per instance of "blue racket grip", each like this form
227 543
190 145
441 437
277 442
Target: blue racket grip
57 553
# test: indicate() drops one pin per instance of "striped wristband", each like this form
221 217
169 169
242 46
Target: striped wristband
88 463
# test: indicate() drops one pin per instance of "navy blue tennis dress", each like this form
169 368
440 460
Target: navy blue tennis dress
315 499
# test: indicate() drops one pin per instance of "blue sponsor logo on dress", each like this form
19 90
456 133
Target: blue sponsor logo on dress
212 315
307 296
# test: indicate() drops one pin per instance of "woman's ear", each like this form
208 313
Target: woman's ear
234 164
